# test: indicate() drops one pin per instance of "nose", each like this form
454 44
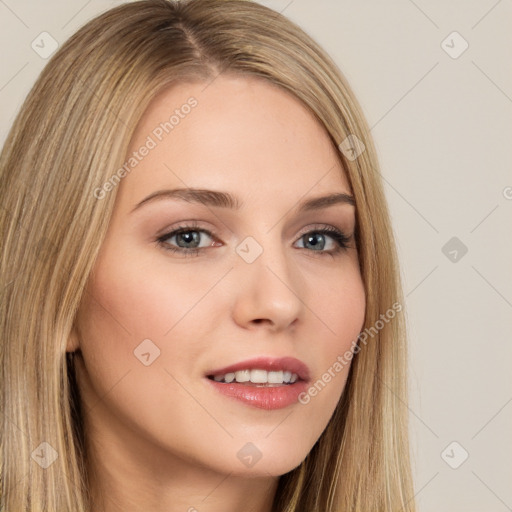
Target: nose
267 292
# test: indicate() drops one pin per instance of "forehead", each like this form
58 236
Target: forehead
237 133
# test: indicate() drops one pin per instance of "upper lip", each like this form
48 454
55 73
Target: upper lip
290 364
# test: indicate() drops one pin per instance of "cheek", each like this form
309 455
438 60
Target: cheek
130 301
340 313
126 305
337 298
344 305
142 301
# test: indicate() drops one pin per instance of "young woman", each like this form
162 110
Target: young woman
201 301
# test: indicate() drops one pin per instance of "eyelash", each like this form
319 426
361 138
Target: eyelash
338 236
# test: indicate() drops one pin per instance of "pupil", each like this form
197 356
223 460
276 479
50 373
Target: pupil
188 237
311 239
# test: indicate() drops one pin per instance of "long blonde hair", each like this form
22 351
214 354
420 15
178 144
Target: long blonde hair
71 133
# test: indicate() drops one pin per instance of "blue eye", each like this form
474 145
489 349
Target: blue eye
188 240
339 238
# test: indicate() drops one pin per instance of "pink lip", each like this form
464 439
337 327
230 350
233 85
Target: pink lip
268 398
270 364
264 397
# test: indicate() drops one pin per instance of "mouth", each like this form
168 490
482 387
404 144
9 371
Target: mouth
264 383
258 378
262 372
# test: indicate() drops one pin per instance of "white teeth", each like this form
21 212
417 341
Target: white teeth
275 377
258 377
229 377
243 376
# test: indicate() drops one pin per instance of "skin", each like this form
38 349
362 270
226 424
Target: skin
160 438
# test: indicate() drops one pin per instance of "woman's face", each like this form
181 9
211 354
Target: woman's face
163 311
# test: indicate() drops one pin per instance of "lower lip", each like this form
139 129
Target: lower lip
263 397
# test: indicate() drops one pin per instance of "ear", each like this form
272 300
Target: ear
73 340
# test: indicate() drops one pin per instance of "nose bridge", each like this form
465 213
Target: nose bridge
269 287
263 251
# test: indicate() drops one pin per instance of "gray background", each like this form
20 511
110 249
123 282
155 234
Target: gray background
443 130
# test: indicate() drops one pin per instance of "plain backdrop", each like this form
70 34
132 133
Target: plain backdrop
434 81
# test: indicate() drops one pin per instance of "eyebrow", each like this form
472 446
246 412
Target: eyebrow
217 198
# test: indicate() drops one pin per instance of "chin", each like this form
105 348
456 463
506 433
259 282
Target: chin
276 465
